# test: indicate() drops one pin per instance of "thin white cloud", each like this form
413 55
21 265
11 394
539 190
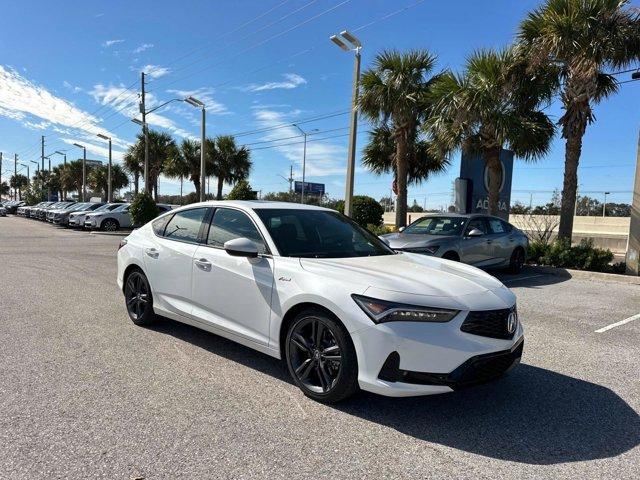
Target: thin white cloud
28 103
73 88
323 158
143 47
110 43
155 71
291 80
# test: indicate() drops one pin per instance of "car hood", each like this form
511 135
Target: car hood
404 240
407 273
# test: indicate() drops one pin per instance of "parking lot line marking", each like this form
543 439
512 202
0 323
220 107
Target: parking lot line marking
617 324
522 278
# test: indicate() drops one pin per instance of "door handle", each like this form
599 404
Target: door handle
152 252
489 242
203 264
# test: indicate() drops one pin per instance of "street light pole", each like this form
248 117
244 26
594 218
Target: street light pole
109 183
604 206
84 169
304 161
348 42
203 154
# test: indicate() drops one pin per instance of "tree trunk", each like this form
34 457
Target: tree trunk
196 183
136 183
401 180
570 186
492 159
220 184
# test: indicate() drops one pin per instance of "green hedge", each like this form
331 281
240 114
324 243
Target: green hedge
366 211
143 209
580 257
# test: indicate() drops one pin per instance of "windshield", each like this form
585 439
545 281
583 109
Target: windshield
78 207
436 226
319 234
107 206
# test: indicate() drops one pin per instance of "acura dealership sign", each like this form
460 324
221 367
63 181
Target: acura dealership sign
472 188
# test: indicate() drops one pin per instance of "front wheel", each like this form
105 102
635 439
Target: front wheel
137 295
321 358
110 225
516 262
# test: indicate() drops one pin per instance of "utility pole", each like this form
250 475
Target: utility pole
0 174
42 152
15 176
290 178
145 130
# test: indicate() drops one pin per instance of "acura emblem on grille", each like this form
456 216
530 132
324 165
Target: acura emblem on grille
512 322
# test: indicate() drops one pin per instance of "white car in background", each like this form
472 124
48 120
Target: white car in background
62 217
308 285
76 219
115 219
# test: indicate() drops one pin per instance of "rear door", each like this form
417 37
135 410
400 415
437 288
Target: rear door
499 232
168 257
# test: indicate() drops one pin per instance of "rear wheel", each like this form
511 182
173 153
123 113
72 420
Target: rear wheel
516 262
110 225
137 294
321 358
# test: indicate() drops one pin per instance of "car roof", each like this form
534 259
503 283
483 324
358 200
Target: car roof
256 205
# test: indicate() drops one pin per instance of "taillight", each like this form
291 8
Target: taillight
123 242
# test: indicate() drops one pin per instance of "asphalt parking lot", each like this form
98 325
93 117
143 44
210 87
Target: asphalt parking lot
86 394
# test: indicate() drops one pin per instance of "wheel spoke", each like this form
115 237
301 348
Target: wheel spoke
330 350
302 366
131 301
300 342
305 373
323 376
333 358
319 334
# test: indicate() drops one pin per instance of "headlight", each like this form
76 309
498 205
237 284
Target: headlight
429 250
381 311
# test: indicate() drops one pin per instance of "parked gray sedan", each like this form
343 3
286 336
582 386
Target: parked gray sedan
479 240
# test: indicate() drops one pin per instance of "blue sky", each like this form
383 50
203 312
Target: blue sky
65 68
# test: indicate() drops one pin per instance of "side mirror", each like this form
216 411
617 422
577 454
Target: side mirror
241 247
475 232
401 229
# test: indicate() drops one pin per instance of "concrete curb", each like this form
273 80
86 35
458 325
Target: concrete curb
119 233
585 275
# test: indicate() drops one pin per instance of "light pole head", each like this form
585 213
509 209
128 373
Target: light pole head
137 122
635 75
60 152
346 41
194 101
104 137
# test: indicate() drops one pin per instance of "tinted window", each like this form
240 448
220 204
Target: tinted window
319 234
478 223
228 224
159 225
436 226
496 226
185 225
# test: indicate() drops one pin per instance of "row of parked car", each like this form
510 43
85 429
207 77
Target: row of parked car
90 215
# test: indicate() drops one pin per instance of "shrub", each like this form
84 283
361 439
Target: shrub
241 191
366 210
537 250
581 257
378 229
143 209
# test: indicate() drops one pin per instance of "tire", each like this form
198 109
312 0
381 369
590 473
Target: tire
516 262
451 256
109 225
138 299
321 357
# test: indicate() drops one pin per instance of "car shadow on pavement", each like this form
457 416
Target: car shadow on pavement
528 279
533 415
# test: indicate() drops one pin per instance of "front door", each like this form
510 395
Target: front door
476 250
233 293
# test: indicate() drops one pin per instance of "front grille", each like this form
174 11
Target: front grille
489 323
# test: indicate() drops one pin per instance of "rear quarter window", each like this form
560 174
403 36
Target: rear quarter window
159 225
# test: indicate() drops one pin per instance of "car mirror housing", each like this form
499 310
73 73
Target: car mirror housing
401 229
476 232
241 247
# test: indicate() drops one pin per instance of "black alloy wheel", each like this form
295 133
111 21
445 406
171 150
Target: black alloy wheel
321 357
137 294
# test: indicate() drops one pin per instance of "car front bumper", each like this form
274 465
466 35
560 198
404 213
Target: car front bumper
401 359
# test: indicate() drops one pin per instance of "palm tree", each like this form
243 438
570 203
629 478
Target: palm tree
379 156
394 96
18 182
583 39
186 163
133 161
98 179
73 176
494 104
4 188
161 148
228 162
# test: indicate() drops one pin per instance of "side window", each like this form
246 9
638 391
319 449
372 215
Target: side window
228 224
496 226
507 227
478 223
159 225
185 225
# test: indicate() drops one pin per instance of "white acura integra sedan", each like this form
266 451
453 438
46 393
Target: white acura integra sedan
308 285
